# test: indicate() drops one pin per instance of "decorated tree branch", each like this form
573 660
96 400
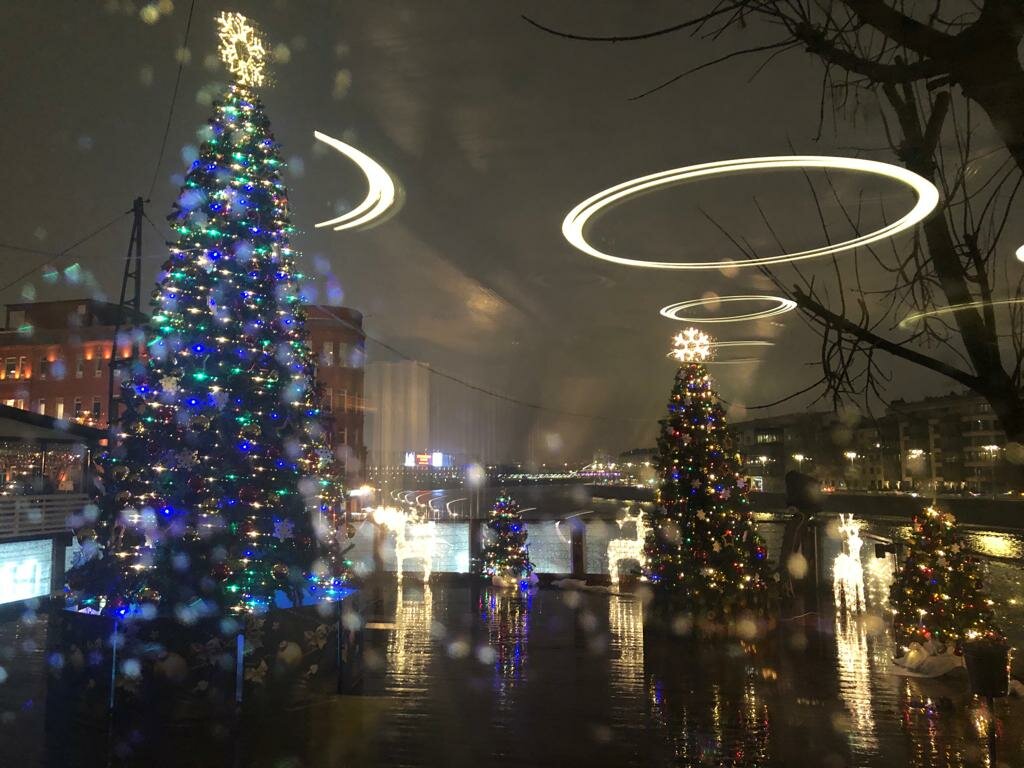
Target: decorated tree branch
702 552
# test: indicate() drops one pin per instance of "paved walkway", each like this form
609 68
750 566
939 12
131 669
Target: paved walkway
459 675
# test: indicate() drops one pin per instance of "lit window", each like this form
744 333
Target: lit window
10 367
99 365
41 409
327 358
23 367
58 410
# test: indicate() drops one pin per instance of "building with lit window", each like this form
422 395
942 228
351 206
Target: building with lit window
947 444
56 357
56 362
337 338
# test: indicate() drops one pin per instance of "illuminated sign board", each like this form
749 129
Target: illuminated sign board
25 569
428 459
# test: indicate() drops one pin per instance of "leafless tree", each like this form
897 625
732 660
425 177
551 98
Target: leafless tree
946 80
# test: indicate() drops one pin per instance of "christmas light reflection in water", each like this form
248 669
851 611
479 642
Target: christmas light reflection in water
506 615
851 626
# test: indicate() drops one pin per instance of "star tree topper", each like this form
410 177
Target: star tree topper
691 346
241 49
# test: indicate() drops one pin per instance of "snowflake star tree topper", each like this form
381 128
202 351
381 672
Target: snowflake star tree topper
241 48
691 346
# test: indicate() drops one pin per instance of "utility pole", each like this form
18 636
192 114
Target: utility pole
129 310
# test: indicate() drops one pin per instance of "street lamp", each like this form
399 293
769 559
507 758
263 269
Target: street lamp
852 456
799 459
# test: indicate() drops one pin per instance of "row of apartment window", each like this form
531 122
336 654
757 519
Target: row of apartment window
17 367
57 408
341 353
339 400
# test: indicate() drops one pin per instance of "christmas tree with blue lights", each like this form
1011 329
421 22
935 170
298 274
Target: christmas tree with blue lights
220 487
506 555
702 552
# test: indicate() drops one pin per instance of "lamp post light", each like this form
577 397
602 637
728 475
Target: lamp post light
799 459
852 456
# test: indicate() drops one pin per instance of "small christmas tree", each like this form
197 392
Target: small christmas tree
937 594
218 487
702 552
506 554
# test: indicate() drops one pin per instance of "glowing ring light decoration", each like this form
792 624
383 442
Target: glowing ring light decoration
381 192
717 344
781 307
575 222
948 310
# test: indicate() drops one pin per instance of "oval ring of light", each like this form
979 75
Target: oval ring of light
577 218
752 343
948 310
380 193
781 307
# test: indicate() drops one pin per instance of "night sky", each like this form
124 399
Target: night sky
494 130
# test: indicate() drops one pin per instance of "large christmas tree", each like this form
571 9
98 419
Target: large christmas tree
506 555
938 592
702 552
219 486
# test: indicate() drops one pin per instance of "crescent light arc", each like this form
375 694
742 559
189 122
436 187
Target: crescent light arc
381 192
576 220
914 317
782 306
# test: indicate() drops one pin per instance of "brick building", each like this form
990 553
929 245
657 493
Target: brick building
336 336
55 358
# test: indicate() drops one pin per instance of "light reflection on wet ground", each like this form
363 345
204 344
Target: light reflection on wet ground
463 675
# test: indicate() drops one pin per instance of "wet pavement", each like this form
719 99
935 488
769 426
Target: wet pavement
460 675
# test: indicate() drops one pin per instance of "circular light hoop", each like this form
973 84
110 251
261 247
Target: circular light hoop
750 343
380 187
781 307
578 217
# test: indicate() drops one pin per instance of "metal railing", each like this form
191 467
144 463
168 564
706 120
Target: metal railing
38 515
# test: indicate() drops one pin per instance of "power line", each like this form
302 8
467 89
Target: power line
174 99
477 388
24 249
59 255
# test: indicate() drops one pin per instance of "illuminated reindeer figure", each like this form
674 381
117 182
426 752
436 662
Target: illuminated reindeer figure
848 573
413 540
620 550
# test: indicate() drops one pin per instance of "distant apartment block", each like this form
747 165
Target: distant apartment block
947 444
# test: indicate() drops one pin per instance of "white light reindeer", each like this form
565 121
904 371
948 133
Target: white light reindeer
620 550
848 573
413 540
